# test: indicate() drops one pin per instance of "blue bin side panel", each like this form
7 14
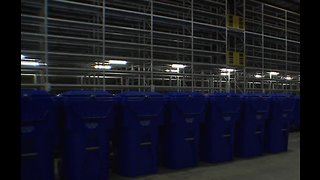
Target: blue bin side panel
250 130
277 128
137 139
296 114
218 131
137 151
185 112
181 145
141 111
37 118
88 121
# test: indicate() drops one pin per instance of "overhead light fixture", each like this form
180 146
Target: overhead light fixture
172 70
288 78
102 67
28 59
23 57
273 73
178 66
29 63
257 76
227 70
224 74
119 62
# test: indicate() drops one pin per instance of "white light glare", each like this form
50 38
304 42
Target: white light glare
273 73
172 70
227 70
288 78
120 62
257 76
178 66
224 74
23 57
30 63
102 67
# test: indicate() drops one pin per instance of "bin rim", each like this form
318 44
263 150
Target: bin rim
35 93
139 94
190 94
81 93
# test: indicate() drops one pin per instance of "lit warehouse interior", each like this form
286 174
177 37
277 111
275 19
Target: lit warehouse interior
160 89
68 38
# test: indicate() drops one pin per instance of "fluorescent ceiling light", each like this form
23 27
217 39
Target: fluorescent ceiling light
28 59
26 74
117 62
172 70
288 78
178 66
30 63
23 57
273 73
102 67
257 76
227 70
224 74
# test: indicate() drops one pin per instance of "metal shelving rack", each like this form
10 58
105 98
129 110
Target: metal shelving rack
70 36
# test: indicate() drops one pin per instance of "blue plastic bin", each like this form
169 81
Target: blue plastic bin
88 118
37 121
184 113
218 132
250 130
137 133
296 113
277 127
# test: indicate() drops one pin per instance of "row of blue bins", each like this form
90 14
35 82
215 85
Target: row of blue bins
147 130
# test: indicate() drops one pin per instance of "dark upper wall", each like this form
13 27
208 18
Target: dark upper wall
292 5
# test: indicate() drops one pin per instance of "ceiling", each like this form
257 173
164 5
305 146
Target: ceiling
292 5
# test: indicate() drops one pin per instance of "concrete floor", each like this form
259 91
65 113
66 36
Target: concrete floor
282 166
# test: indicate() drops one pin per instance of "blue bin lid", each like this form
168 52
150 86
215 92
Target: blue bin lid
185 94
35 105
140 94
32 93
86 94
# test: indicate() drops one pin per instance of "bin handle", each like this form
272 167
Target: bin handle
147 116
29 154
93 117
192 114
262 111
145 144
288 110
226 135
94 148
189 139
229 112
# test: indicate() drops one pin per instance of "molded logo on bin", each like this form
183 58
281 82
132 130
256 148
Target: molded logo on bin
145 123
189 120
258 116
91 125
27 129
227 118
284 115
